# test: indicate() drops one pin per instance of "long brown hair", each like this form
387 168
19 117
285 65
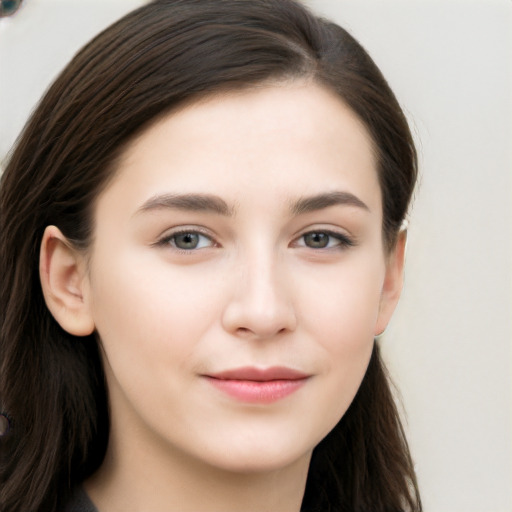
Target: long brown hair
158 57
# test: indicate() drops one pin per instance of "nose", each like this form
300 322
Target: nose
260 306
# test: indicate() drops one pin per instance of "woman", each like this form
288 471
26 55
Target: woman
201 239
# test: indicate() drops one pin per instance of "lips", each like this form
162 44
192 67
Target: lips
256 385
260 374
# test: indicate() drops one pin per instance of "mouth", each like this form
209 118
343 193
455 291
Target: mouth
256 385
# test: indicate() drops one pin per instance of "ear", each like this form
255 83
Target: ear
62 270
393 282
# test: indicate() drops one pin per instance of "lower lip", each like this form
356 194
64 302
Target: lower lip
257 392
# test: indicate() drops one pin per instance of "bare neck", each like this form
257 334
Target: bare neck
148 482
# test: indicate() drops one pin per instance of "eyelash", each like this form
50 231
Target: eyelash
343 241
170 239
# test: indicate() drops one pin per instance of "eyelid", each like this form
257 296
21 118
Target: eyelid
345 241
166 237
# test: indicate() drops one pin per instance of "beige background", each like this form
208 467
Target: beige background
449 346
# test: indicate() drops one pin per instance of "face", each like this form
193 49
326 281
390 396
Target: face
237 277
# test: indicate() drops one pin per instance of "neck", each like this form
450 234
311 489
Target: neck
152 479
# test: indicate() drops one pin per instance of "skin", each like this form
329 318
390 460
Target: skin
255 291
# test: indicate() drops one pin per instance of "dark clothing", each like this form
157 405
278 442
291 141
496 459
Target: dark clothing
79 502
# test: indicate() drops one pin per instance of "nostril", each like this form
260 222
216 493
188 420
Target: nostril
259 309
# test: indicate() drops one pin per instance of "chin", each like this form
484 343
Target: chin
259 457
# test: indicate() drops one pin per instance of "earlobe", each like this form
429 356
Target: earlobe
62 271
393 282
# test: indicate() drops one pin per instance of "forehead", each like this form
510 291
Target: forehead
291 140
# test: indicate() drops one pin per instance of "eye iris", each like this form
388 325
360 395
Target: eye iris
316 240
186 240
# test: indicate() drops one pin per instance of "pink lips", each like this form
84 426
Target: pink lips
255 385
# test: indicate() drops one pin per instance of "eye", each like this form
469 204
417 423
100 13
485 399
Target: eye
324 240
187 240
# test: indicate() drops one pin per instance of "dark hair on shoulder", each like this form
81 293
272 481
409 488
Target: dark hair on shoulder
156 59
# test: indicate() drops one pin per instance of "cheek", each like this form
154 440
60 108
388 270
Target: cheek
148 316
341 321
342 307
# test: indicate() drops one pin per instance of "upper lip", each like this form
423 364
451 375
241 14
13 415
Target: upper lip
260 374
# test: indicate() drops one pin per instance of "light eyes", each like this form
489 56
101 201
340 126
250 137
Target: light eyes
190 240
323 240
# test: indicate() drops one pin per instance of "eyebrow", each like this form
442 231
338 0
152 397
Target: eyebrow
188 202
214 204
321 201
